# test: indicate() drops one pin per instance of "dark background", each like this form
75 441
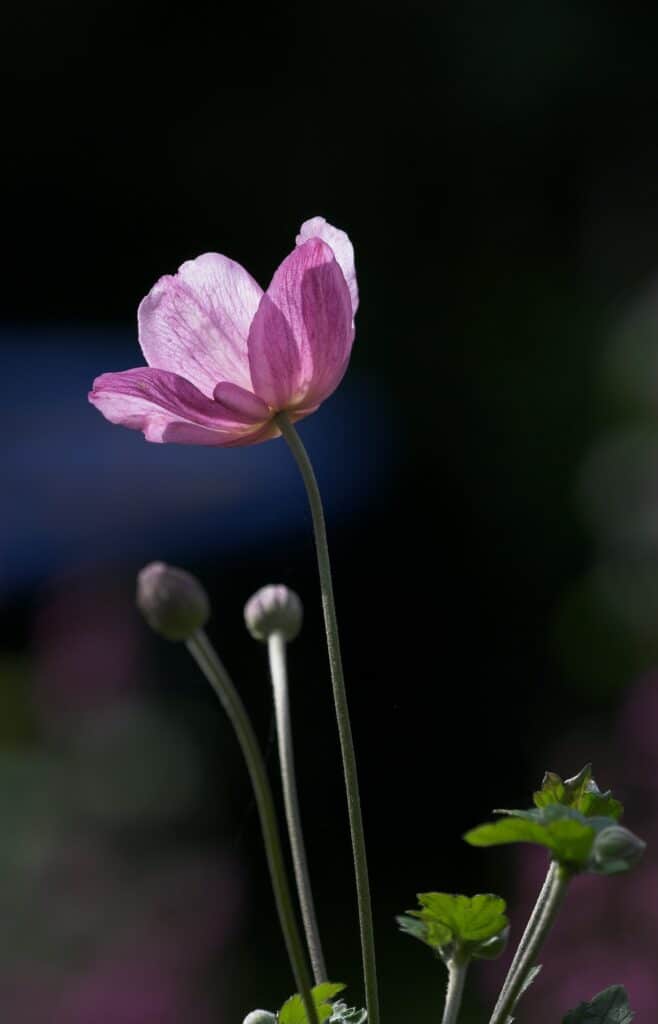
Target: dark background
495 167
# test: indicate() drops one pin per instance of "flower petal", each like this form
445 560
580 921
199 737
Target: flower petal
196 322
187 433
343 250
240 402
161 403
301 337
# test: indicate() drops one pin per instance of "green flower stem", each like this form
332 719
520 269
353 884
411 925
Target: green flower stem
208 661
342 715
543 923
276 646
537 911
456 978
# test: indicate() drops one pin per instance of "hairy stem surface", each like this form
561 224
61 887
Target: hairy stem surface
543 923
537 911
456 978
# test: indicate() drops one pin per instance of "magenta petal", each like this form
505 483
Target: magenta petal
339 242
157 402
241 403
196 322
301 337
177 432
187 433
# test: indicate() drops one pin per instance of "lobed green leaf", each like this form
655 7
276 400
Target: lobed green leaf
437 936
580 793
568 834
468 918
608 1007
293 1011
477 925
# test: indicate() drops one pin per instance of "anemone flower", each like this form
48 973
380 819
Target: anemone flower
224 357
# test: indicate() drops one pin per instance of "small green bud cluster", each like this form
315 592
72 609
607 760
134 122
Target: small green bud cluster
616 849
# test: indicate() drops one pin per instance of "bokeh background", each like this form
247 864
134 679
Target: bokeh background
490 466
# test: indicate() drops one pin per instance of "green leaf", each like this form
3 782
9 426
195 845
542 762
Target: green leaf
437 936
477 925
491 948
609 1007
325 992
293 1012
412 926
567 833
552 791
467 918
593 804
580 793
507 830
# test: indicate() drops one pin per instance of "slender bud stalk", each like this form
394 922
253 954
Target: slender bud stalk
276 646
342 715
208 661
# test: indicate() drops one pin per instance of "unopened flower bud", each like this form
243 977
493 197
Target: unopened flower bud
616 849
260 1017
172 601
273 609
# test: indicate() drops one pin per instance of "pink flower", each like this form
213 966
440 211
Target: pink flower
223 356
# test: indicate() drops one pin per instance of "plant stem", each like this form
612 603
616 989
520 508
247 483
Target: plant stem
208 661
537 911
276 647
342 715
513 986
456 978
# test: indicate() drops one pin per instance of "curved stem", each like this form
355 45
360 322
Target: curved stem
208 661
456 978
514 985
342 715
537 911
276 647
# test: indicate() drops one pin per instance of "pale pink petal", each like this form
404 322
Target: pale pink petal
338 241
158 402
301 337
196 322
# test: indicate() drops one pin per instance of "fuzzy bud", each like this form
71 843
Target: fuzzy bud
273 609
172 601
260 1017
616 849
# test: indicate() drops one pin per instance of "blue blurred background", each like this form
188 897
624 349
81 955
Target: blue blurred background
490 466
